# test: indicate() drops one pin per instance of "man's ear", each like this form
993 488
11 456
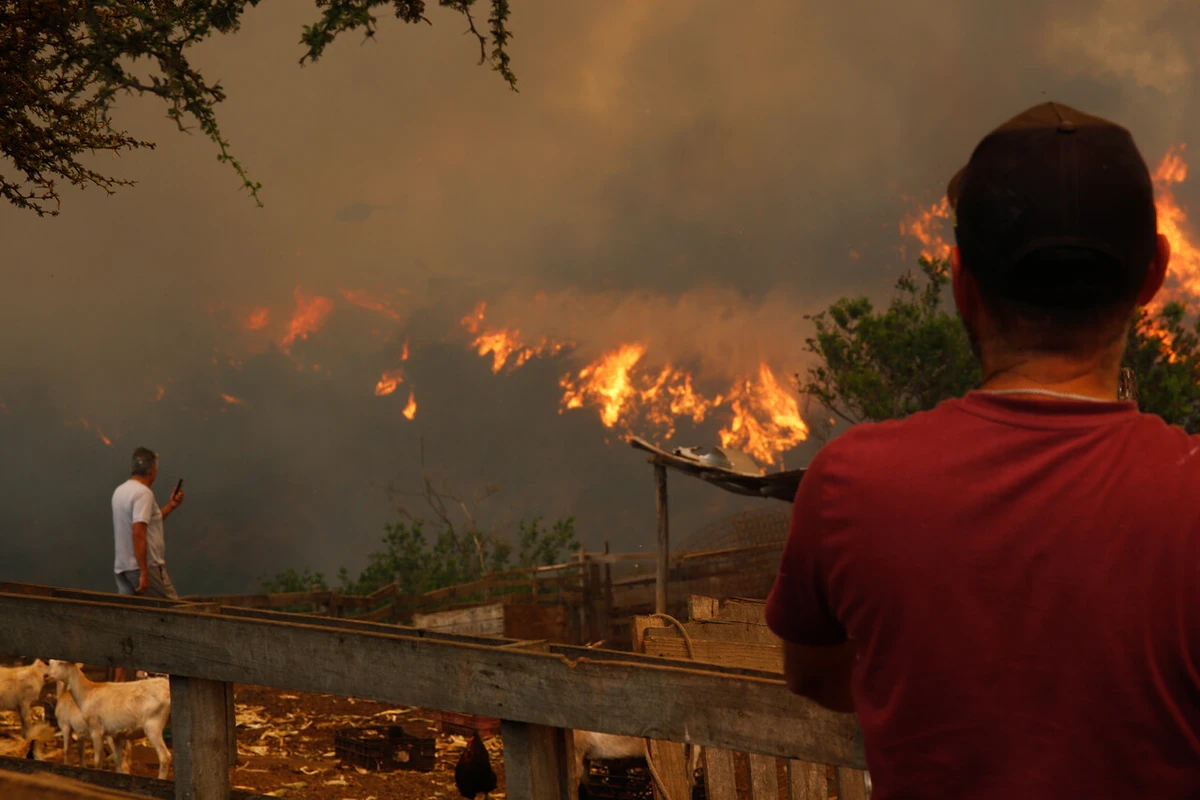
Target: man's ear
1157 272
966 296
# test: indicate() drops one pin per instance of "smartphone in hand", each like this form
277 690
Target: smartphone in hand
178 486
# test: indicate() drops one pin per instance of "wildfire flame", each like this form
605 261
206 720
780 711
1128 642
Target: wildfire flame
925 226
388 382
765 417
1184 270
308 318
605 383
257 319
410 410
87 426
159 391
233 401
505 343
404 352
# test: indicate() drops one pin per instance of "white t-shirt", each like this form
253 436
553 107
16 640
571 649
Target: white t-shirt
134 502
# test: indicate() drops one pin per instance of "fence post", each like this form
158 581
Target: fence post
608 598
660 577
538 762
199 736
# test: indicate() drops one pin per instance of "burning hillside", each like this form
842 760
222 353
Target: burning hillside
633 388
642 363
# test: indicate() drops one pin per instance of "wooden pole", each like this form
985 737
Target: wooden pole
608 600
200 739
538 761
664 551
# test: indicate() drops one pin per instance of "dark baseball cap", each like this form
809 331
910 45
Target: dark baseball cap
1054 177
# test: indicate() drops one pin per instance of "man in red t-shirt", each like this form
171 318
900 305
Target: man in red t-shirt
1005 588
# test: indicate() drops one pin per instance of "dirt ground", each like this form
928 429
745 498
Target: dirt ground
285 749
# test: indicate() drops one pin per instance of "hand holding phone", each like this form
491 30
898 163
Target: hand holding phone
177 495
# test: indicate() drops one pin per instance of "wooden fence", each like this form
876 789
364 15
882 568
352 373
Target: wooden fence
602 591
541 691
735 633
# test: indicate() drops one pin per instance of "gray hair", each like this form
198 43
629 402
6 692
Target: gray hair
144 460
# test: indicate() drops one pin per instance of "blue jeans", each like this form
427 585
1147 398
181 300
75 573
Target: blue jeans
127 581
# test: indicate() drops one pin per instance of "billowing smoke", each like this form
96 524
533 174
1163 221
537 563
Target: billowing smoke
691 181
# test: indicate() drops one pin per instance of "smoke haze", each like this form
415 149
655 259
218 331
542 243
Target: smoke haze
675 173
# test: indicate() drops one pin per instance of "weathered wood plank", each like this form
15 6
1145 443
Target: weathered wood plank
701 607
764 781
571 652
756 656
15 786
132 784
537 762
719 630
480 620
806 781
231 725
720 782
741 610
852 784
670 762
746 714
199 735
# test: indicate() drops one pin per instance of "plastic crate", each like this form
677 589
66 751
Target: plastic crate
628 779
451 722
384 748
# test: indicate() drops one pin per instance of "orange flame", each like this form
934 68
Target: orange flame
404 352
766 418
410 410
87 426
1184 271
504 343
309 316
473 320
388 382
925 226
159 391
257 319
362 299
605 383
231 400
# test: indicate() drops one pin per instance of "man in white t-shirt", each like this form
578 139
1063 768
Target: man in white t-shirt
141 565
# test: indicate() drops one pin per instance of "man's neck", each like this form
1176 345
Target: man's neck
142 479
1098 379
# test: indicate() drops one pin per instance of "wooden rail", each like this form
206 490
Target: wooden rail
538 694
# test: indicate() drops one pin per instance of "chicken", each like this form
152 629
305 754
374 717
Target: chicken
473 775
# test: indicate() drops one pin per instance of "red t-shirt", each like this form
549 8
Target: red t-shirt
1020 578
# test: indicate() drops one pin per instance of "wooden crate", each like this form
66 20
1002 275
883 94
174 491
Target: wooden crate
451 722
384 748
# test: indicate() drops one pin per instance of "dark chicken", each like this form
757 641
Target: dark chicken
473 775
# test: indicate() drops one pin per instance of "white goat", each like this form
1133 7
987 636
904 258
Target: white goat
20 688
70 720
122 711
590 745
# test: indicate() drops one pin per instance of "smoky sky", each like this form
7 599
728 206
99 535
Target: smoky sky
713 175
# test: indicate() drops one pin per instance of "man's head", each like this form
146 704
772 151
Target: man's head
1057 238
145 464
